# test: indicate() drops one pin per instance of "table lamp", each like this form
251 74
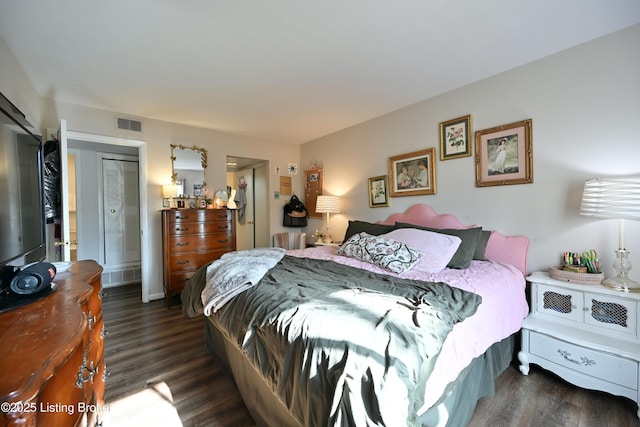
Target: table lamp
617 198
169 192
328 205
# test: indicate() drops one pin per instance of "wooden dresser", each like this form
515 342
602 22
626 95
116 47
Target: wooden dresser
190 239
52 370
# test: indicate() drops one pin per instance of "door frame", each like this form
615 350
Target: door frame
145 251
261 214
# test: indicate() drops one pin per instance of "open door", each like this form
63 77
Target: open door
65 235
245 226
254 232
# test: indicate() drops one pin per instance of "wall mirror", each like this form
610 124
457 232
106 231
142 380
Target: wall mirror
188 169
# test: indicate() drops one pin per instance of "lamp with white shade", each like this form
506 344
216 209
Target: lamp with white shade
328 205
617 198
169 192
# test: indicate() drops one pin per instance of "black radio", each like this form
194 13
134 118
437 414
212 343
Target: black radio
33 279
21 287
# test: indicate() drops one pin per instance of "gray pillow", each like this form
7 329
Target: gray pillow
356 227
481 247
465 253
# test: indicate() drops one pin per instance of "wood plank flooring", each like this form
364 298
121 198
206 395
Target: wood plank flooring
162 376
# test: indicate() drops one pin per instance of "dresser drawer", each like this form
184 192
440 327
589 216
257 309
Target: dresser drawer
193 261
198 215
200 243
590 362
183 228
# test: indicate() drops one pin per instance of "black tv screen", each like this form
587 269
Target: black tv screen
22 224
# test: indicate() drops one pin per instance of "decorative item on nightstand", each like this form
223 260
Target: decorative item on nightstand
328 205
617 198
579 268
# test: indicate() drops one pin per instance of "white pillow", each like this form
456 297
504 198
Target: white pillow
437 248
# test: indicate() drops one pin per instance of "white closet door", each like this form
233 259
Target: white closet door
121 211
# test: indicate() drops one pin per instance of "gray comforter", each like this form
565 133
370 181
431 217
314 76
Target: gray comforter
340 345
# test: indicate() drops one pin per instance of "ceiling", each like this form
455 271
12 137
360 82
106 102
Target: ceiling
285 70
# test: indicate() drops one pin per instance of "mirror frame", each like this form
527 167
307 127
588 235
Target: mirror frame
203 160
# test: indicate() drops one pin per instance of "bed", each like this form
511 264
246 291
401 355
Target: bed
328 336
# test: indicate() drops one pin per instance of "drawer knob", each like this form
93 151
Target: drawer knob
92 320
182 228
179 244
583 360
183 262
85 373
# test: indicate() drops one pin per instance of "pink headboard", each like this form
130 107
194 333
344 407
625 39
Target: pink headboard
506 249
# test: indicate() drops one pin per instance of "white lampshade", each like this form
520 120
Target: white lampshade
169 191
611 198
328 204
617 198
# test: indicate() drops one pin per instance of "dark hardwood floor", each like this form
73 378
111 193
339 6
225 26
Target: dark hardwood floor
162 376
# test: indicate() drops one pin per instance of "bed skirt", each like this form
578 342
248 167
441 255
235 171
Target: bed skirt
456 409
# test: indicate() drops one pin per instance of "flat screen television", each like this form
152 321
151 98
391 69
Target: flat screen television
22 220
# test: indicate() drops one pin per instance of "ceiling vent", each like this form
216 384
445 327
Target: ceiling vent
129 124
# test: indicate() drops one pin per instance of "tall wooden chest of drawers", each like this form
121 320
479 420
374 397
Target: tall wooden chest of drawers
191 238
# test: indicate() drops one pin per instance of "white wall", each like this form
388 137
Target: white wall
45 113
585 105
15 85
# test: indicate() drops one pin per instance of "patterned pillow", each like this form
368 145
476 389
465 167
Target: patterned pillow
437 249
387 253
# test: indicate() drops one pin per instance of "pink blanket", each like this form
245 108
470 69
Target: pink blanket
501 313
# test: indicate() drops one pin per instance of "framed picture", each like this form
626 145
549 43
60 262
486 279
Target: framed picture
413 174
504 155
378 191
455 140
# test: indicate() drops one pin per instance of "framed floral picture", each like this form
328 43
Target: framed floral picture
455 140
413 174
504 155
378 191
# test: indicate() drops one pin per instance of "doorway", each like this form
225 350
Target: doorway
54 239
252 230
104 209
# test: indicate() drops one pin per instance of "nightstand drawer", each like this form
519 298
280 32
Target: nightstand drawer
559 302
590 362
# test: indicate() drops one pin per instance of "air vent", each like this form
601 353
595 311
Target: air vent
129 124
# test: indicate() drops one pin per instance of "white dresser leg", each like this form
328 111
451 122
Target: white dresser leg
523 357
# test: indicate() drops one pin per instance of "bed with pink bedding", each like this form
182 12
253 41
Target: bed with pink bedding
422 353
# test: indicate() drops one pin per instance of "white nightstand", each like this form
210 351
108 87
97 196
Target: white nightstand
587 334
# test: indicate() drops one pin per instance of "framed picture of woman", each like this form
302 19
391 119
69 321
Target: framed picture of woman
504 155
413 174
